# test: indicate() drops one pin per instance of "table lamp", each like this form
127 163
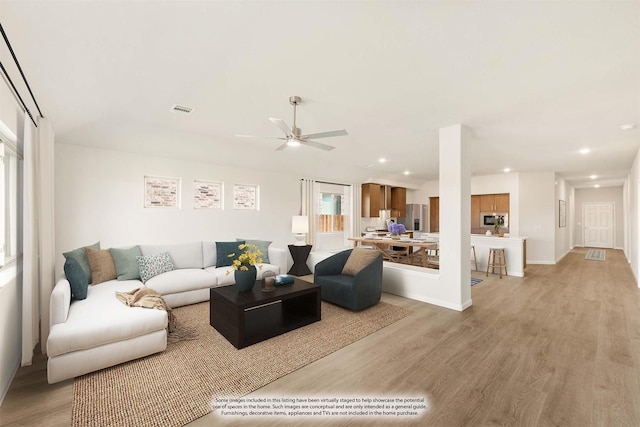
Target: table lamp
300 228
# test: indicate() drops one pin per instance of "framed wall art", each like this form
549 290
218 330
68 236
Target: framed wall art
246 197
161 192
208 195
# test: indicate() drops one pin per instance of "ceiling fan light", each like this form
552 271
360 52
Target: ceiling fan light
292 142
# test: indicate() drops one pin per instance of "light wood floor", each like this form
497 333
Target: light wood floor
560 347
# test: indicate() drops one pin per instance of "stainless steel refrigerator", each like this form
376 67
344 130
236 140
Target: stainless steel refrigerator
417 217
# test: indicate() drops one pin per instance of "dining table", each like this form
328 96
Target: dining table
412 248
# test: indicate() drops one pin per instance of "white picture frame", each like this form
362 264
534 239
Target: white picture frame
161 192
208 194
246 197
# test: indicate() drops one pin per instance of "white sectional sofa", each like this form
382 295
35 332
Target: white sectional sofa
100 331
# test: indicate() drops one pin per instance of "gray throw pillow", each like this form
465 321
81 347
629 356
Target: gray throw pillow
152 265
126 262
80 256
263 246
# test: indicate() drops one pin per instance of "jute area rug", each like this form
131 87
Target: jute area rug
177 386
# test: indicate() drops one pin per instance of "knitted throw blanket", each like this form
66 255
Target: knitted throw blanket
147 298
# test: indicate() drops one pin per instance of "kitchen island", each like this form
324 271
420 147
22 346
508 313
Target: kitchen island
515 249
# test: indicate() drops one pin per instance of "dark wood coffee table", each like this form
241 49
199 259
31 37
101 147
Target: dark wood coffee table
245 318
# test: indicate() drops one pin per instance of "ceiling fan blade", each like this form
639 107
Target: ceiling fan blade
282 125
317 145
256 136
340 132
282 147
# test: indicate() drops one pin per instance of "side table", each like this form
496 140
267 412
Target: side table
299 255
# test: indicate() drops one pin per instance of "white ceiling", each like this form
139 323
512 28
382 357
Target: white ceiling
534 81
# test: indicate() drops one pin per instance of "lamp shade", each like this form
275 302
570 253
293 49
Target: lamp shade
300 224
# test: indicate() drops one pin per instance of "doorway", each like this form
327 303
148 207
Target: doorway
598 224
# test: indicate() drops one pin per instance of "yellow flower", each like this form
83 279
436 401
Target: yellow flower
250 255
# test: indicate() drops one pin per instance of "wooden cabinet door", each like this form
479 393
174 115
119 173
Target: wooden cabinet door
502 202
487 203
370 200
434 214
475 214
399 201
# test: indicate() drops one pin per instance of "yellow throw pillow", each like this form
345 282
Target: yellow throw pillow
359 259
102 266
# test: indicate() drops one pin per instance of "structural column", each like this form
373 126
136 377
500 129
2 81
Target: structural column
455 214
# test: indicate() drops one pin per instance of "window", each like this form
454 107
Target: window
10 202
331 214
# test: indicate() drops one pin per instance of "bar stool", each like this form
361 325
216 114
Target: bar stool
497 259
474 260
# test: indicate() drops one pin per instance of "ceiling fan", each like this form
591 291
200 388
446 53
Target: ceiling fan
293 136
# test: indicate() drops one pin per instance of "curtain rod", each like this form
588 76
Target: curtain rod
4 71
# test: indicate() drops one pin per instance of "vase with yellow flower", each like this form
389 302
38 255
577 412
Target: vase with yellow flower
245 266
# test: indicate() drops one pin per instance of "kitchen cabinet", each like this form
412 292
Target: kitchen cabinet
371 200
475 215
494 203
399 201
434 214
502 202
479 204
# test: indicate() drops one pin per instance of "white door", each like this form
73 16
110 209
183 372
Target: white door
598 224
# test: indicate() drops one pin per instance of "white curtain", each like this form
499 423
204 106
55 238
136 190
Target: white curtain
30 273
46 224
308 201
38 236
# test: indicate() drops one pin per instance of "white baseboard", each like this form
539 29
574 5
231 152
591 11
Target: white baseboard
541 262
6 389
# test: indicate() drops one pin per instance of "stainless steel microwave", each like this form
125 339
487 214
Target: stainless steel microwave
488 219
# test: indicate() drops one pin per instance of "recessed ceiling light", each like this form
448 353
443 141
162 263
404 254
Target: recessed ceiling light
506 170
585 151
407 172
597 186
593 176
628 126
382 160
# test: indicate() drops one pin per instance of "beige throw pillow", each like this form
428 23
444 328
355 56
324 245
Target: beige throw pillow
359 259
102 266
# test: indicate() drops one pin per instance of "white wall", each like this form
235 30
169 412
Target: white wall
99 197
634 216
564 235
537 215
604 194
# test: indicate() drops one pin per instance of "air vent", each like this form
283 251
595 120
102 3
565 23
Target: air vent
181 109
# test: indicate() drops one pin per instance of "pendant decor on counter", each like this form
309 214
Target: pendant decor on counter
245 279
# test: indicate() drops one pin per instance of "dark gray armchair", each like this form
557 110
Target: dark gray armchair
355 292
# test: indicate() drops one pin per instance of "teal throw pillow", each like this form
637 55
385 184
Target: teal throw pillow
224 249
263 246
126 262
80 255
77 279
152 265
